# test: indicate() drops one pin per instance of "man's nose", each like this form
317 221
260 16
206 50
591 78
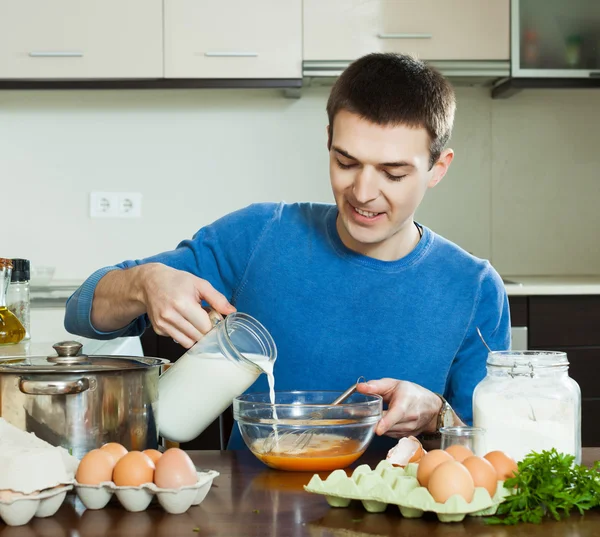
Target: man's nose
365 186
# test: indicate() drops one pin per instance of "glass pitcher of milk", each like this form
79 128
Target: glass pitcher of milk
200 385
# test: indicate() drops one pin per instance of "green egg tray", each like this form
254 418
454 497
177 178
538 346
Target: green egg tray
391 485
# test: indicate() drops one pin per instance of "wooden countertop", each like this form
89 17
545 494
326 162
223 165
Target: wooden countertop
249 499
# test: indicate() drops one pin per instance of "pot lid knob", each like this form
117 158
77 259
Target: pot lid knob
69 352
67 348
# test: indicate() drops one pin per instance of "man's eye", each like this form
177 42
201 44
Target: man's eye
344 166
395 177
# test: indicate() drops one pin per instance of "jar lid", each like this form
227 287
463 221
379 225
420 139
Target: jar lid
70 360
534 359
21 270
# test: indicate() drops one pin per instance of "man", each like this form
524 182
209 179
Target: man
347 290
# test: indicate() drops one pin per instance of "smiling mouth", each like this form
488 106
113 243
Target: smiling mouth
366 214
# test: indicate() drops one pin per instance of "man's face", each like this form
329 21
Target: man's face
379 176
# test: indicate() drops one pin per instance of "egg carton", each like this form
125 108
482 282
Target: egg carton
392 485
20 509
135 499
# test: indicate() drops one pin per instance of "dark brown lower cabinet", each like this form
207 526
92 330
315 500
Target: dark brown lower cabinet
571 323
565 323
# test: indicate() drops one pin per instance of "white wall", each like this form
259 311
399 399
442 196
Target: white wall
523 190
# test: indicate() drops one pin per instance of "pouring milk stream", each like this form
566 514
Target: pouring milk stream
202 384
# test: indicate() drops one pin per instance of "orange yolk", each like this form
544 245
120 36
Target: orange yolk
315 458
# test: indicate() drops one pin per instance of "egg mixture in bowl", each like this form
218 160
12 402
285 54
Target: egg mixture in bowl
303 432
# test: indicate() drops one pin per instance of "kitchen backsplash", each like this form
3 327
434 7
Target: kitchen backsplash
523 190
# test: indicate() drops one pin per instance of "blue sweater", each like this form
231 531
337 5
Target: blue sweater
336 315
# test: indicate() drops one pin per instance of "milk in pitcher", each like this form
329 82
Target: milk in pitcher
205 385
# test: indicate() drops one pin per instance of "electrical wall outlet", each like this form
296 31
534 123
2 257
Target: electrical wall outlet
130 204
103 205
115 204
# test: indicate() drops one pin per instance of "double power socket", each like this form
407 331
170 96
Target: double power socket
115 204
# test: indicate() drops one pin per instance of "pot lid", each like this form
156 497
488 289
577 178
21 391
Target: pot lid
68 359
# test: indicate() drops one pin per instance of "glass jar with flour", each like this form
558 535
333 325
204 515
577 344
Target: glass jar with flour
527 402
200 385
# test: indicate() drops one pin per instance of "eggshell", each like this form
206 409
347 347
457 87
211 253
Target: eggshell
450 478
482 472
116 450
407 450
95 467
505 466
174 470
429 462
154 454
133 470
459 452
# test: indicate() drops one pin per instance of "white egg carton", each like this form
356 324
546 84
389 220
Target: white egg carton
134 499
19 510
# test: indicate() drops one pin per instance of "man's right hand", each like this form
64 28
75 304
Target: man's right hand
173 303
171 298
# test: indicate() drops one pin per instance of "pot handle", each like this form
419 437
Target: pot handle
53 387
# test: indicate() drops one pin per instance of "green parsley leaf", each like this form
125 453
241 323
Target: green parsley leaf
548 484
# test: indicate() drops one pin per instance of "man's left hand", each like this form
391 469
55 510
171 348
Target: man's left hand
412 409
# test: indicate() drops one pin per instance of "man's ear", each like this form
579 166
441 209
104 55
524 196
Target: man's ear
441 167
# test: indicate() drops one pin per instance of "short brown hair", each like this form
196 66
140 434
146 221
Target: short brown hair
394 89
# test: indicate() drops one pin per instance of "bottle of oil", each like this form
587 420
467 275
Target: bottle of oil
11 329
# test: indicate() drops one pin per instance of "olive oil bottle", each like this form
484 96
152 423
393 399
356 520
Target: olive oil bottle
11 329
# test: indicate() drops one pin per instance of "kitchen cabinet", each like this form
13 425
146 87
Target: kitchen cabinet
65 39
430 29
570 323
544 47
233 39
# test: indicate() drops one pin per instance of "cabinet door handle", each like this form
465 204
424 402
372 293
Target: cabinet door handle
56 54
231 54
404 36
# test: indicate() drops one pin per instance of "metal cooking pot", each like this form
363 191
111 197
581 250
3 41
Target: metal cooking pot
80 402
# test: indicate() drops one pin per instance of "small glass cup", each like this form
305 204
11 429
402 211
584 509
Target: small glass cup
470 437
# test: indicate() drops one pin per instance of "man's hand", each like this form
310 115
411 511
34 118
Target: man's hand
412 409
171 298
173 302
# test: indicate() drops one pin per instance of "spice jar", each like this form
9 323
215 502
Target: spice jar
18 300
527 402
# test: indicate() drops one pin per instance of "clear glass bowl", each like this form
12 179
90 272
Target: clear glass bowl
303 431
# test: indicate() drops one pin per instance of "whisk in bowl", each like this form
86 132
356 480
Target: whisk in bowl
301 438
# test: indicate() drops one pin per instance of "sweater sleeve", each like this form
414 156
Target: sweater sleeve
492 315
219 253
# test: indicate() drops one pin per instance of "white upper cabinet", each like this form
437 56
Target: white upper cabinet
428 29
233 38
75 39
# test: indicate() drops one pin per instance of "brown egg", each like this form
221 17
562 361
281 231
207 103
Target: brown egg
448 479
154 454
429 462
505 466
175 469
116 450
482 472
133 470
458 452
96 467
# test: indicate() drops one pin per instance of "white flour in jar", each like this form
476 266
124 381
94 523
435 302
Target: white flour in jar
517 424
